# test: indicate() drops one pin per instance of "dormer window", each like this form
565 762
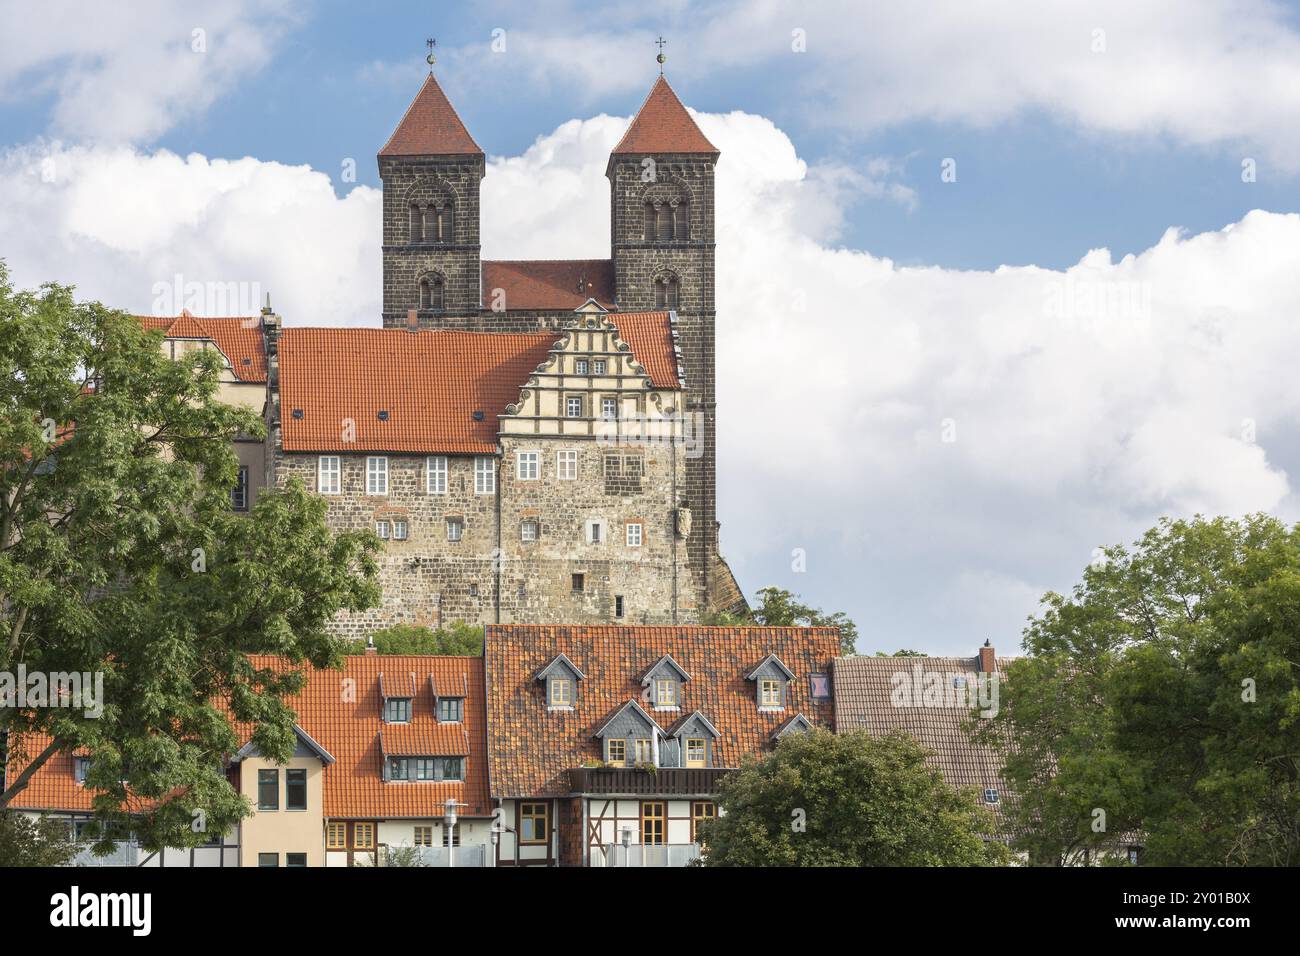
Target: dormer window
771 683
769 693
664 680
696 752
991 795
451 710
561 693
561 677
397 710
665 692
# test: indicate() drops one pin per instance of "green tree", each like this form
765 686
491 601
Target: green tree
1161 695
45 841
822 799
459 638
776 607
120 559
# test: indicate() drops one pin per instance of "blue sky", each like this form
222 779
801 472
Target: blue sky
942 443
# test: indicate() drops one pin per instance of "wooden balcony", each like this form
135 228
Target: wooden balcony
635 782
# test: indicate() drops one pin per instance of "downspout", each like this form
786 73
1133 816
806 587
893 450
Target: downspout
672 517
497 558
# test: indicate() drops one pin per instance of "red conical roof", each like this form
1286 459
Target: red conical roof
430 127
662 125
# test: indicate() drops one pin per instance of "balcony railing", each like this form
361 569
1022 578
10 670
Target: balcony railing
123 854
665 854
634 781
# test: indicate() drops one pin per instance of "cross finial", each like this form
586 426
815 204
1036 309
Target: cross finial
431 59
661 43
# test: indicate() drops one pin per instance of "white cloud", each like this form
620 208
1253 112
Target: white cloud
1084 403
129 72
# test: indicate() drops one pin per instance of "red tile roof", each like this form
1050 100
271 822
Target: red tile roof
429 382
650 337
430 127
348 727
238 337
531 750
549 283
662 125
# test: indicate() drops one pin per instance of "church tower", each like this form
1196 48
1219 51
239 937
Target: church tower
662 224
431 169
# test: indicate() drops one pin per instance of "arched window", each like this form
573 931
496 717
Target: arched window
439 298
666 292
417 223
443 232
432 295
426 297
680 229
666 219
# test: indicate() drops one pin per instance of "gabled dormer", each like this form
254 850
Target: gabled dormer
397 693
630 737
693 738
304 746
663 681
561 678
798 724
448 702
771 684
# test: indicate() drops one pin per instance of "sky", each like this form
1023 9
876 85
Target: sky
997 286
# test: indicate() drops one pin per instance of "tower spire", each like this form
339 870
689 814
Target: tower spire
661 43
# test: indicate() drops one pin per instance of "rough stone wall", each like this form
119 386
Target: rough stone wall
637 262
457 260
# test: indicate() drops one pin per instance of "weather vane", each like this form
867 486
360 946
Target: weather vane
431 59
661 43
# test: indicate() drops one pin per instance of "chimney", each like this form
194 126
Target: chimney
371 651
412 321
988 659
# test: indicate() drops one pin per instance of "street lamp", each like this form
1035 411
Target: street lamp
449 827
627 843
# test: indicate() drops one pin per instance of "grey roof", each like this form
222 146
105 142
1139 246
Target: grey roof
561 659
879 695
665 659
789 674
638 708
789 725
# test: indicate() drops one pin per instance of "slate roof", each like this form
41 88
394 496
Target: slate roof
548 283
238 337
662 125
350 731
430 127
531 749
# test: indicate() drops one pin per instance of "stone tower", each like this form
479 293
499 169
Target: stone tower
431 169
662 238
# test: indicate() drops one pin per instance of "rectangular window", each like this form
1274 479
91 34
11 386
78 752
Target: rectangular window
239 493
451 709
268 859
424 836
328 475
618 605
561 692
485 476
566 465
425 769
528 531
595 533
528 465
435 475
268 790
399 530
579 582
455 529
653 822
455 837
399 768
645 752
377 476
363 836
665 692
451 768
599 366
696 752
398 710
770 691
634 535
701 810
295 789
534 823
336 836
580 367
616 749
80 767
573 406
295 859
609 409
381 529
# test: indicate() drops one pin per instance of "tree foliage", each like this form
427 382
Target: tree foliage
822 799
458 638
43 841
1161 695
120 557
776 607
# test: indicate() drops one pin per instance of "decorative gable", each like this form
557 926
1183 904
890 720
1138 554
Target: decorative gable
691 742
771 683
663 683
630 737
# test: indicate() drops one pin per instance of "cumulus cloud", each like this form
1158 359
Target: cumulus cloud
943 445
1217 72
129 72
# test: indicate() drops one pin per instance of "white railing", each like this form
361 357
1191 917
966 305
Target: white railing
123 854
473 855
664 854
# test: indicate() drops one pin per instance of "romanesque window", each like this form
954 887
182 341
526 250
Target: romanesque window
432 222
666 292
433 293
666 219
417 223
